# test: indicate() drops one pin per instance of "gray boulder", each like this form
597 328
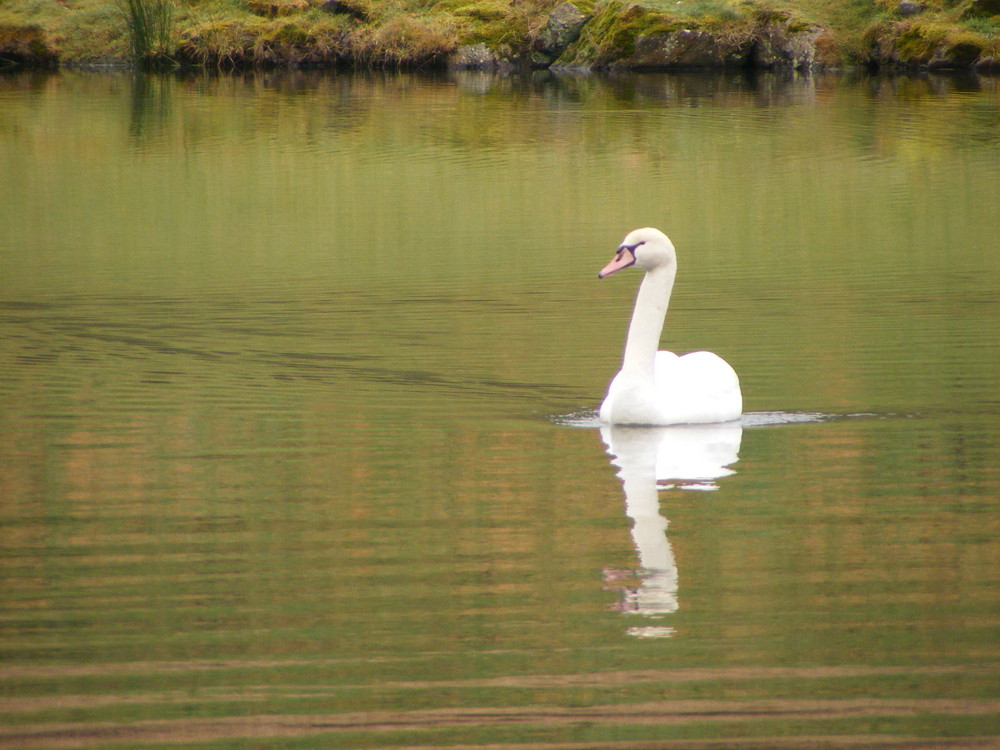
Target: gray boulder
960 56
474 57
907 8
783 47
683 49
561 29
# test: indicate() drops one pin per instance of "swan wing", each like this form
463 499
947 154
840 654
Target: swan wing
697 388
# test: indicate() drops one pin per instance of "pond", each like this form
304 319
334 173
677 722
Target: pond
298 377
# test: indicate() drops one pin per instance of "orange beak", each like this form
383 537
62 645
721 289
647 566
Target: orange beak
623 259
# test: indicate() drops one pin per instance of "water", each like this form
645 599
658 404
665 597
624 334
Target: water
298 376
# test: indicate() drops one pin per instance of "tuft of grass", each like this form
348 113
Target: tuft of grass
229 43
505 26
406 40
148 25
277 8
987 27
25 45
917 41
507 33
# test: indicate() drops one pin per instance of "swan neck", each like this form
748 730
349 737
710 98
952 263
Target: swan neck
647 321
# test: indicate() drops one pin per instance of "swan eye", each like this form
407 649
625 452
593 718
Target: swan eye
631 250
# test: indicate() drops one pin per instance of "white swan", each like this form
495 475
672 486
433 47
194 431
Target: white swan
660 388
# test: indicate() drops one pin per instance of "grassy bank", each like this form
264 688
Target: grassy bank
414 33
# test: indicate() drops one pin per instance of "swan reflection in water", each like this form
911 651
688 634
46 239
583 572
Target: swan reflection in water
651 459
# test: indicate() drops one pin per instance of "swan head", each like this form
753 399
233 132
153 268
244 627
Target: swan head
645 248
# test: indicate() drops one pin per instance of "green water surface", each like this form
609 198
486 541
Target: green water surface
297 441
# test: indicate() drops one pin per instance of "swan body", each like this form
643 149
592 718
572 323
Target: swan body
657 387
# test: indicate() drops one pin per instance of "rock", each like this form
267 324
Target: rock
960 55
685 48
981 9
907 8
474 57
351 8
987 65
781 46
561 29
775 44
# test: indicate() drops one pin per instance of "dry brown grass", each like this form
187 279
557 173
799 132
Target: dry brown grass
415 33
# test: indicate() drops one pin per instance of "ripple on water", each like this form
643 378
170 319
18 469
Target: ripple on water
589 419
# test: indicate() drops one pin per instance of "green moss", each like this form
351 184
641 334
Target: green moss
612 32
924 41
962 48
504 27
916 42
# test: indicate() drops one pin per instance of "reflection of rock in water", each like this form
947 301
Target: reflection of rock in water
690 457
